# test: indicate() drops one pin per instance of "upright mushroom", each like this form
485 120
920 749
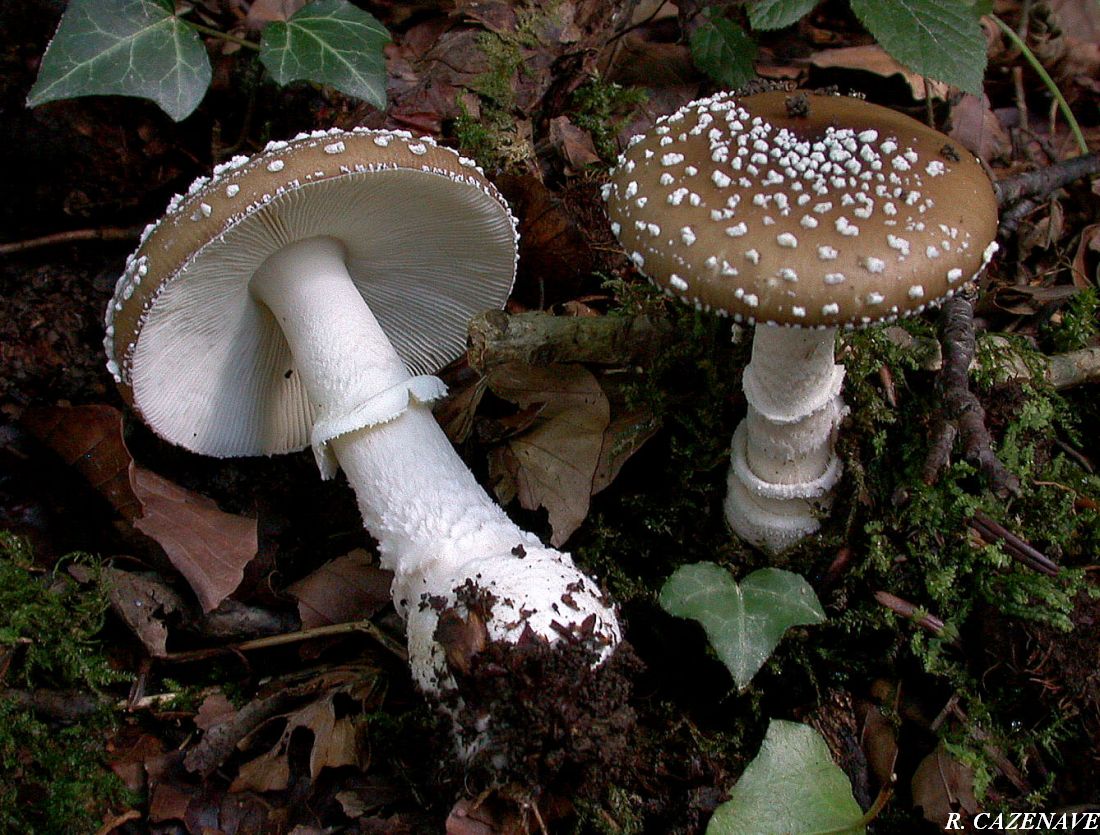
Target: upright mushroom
304 297
798 213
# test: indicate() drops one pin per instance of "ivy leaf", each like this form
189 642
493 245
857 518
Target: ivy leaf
743 622
792 785
124 48
941 39
329 42
721 49
777 14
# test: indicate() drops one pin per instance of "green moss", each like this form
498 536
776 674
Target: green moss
602 108
906 537
1076 324
55 775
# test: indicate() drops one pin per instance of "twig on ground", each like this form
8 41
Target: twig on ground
1020 550
1043 181
495 339
294 637
76 235
910 612
961 405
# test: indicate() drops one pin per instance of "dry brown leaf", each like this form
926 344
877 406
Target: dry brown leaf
209 547
942 785
555 461
143 604
573 143
335 744
1086 263
89 439
879 742
215 709
262 12
624 436
873 58
976 127
344 589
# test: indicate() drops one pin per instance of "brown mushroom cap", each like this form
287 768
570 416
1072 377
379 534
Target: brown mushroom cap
802 209
429 243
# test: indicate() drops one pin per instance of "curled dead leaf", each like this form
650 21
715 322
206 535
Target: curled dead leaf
873 58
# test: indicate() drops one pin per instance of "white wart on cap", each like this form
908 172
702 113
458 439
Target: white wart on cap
829 211
207 366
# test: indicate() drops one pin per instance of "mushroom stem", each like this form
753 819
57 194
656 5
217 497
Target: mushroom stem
436 527
783 464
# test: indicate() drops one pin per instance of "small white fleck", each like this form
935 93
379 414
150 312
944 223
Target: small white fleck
641 201
276 165
738 230
638 259
931 251
935 168
206 209
753 255
677 197
631 189
831 309
875 298
672 159
616 228
787 274
900 244
786 239
954 274
873 265
834 278
691 170
678 282
827 253
382 140
232 190
666 179
653 229
720 179
844 227
750 299
799 312
868 136
688 235
916 292
418 148
335 148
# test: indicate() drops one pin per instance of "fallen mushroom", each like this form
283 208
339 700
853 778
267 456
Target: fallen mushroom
283 302
798 213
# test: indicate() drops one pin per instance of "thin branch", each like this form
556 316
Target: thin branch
1043 181
295 637
111 233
